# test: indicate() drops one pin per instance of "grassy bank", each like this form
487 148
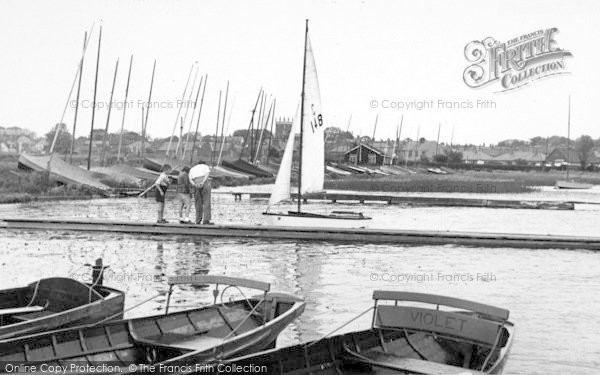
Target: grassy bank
460 182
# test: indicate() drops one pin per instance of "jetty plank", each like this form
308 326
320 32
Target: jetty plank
313 234
430 201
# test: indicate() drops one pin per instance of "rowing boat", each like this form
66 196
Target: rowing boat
572 185
54 303
220 330
403 338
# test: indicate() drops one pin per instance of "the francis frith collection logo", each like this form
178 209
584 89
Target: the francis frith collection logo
514 63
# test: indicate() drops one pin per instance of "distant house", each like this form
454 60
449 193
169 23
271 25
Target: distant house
24 143
134 148
336 152
561 156
530 158
8 148
364 154
476 156
415 151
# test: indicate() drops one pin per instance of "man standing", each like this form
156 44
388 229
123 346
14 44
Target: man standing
184 195
200 180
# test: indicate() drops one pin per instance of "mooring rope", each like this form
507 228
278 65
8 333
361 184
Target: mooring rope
340 327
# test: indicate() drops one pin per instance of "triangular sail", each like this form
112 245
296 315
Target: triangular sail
313 135
282 188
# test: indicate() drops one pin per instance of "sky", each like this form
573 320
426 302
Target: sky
368 54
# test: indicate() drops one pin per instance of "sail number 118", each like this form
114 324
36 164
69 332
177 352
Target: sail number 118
317 120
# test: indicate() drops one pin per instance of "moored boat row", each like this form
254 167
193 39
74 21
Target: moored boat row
443 335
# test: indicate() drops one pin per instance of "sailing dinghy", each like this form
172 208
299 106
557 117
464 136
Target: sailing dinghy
312 160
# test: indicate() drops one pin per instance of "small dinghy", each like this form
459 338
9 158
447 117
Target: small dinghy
54 303
184 337
403 339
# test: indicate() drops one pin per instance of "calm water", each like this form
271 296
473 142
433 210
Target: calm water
553 295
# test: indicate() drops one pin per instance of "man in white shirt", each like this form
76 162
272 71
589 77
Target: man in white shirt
200 180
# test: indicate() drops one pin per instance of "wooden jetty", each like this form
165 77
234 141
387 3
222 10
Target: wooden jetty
424 201
312 234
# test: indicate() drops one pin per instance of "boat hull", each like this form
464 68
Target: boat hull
332 355
246 168
180 338
337 219
64 308
572 185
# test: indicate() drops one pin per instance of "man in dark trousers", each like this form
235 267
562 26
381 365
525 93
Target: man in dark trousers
184 195
200 180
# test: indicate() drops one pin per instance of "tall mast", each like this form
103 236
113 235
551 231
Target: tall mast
260 139
187 137
374 129
145 123
569 137
77 100
437 144
179 111
218 160
399 136
143 130
187 108
302 120
112 91
271 131
124 110
250 125
259 119
89 161
212 154
62 117
198 121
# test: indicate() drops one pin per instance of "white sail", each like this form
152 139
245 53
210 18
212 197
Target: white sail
281 190
313 135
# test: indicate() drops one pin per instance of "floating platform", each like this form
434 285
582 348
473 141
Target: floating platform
262 232
426 201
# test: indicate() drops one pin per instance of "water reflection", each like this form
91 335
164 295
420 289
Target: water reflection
543 289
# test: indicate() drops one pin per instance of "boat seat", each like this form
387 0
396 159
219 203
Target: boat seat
419 366
186 342
21 310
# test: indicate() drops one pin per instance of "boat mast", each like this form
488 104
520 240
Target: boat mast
89 161
77 100
212 154
112 91
187 137
124 110
145 122
223 124
198 120
374 130
437 144
302 120
271 131
249 126
179 104
399 139
568 137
